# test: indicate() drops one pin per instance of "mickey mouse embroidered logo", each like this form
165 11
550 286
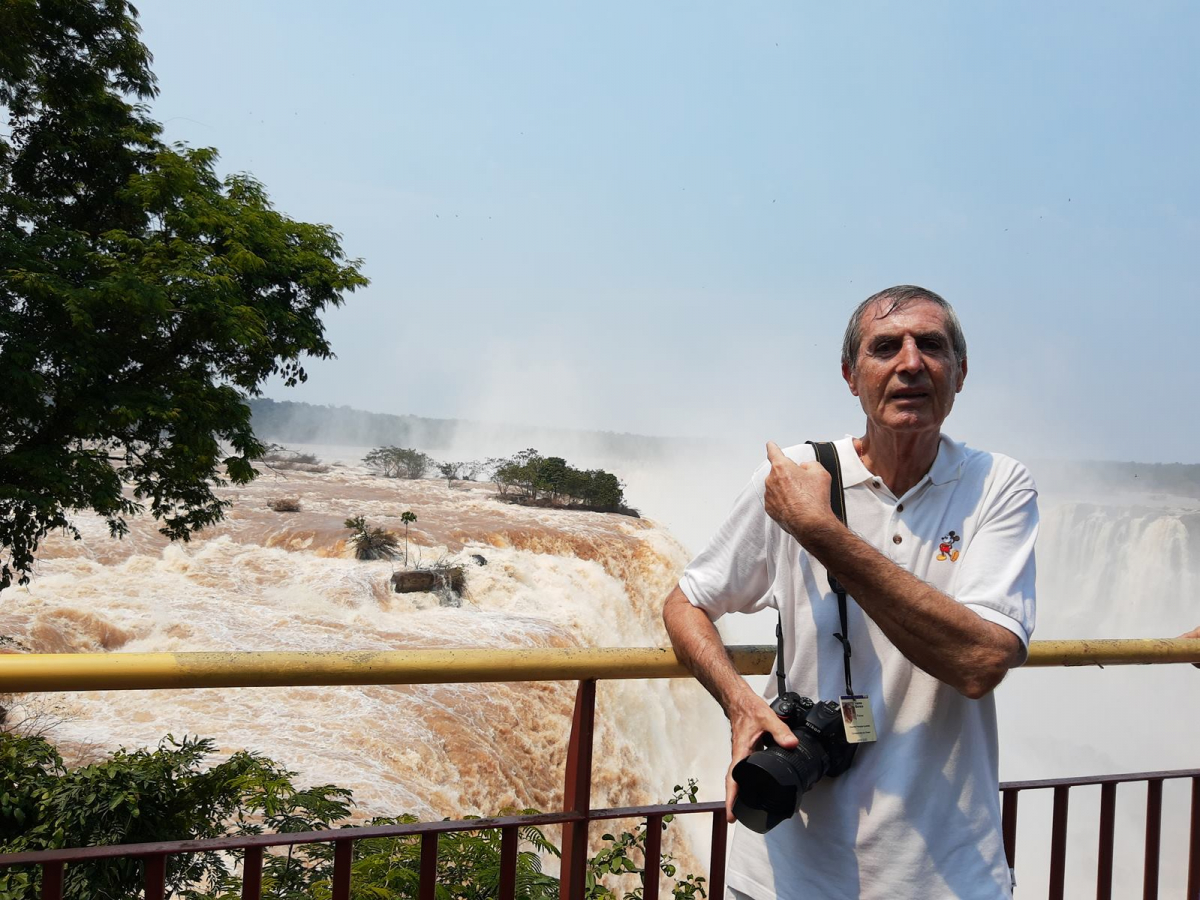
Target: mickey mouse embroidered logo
946 547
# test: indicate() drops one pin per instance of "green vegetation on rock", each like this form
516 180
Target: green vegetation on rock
373 542
530 477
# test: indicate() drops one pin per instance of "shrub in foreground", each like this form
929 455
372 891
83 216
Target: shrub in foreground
165 795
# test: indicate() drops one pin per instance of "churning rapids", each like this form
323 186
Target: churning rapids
1109 566
268 580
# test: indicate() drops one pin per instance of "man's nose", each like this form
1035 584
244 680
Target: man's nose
910 359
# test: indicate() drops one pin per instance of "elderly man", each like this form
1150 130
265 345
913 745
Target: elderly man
937 558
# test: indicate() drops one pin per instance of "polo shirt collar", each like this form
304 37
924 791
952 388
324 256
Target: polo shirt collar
853 470
947 465
949 462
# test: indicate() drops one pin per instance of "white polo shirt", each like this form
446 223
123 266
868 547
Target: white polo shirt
918 814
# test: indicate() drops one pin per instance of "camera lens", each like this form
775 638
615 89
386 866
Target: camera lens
772 781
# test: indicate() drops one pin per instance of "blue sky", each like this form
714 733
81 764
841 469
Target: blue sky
656 217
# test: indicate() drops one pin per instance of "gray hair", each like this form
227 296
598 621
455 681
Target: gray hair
892 300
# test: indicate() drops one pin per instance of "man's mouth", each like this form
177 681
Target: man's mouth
909 394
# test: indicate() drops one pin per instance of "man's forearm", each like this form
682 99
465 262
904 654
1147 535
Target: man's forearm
699 647
937 633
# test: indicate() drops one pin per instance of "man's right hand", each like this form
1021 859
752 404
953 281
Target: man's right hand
749 718
698 646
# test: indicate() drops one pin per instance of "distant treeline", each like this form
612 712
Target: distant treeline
290 422
526 477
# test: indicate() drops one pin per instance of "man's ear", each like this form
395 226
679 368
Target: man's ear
962 375
848 375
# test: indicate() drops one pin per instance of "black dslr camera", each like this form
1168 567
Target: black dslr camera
772 780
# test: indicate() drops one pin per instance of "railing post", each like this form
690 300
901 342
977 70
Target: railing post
343 859
1009 819
1153 838
716 865
252 873
429 852
52 880
577 793
1104 853
653 857
508 862
1193 888
156 877
1058 842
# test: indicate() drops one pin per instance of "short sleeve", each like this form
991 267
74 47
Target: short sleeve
731 574
998 574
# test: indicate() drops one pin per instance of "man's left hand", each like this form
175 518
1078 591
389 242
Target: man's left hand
1194 634
796 495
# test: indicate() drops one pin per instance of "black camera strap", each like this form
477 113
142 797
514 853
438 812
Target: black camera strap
827 456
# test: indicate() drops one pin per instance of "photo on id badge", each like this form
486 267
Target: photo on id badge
857 719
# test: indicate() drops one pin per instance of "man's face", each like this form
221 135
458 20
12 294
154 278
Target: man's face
906 374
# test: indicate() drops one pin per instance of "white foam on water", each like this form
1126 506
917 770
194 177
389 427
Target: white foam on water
286 581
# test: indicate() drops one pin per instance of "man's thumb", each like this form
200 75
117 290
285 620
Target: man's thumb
782 734
774 454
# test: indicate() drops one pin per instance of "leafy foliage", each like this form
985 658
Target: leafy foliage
143 298
166 795
373 542
453 471
620 857
398 462
529 476
143 796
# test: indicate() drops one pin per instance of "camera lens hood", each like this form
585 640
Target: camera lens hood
768 791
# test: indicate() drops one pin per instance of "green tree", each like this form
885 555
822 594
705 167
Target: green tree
451 471
603 491
551 476
520 472
398 462
143 298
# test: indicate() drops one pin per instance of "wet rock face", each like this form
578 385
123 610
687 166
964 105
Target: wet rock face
425 580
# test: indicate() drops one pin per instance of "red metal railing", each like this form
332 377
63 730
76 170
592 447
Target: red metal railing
1061 787
577 815
154 856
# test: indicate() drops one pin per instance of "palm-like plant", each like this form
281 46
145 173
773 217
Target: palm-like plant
372 543
406 517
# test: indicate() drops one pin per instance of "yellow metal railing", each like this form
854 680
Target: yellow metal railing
32 672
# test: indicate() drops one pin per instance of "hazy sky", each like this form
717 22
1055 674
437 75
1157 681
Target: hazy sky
656 217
